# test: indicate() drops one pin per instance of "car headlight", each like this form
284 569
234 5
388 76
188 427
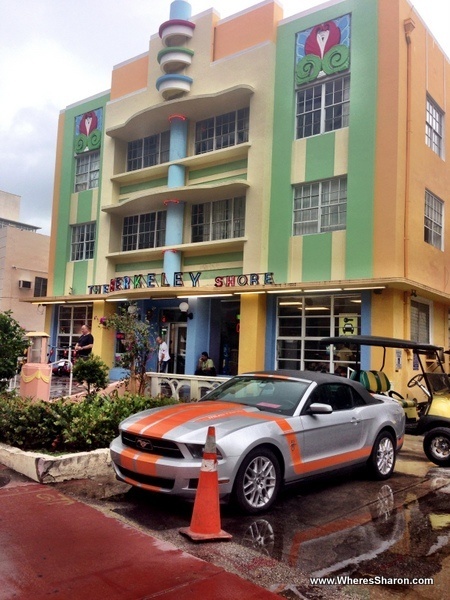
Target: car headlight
197 451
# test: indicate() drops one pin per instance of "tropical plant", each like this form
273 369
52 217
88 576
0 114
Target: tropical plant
138 340
13 344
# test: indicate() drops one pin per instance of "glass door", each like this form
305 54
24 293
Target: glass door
177 347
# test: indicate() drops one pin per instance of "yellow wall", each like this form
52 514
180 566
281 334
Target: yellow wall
405 165
252 338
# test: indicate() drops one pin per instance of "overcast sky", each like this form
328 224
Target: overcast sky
54 53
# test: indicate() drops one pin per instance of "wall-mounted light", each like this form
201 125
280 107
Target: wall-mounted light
184 308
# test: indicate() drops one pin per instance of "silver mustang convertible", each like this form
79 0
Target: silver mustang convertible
272 428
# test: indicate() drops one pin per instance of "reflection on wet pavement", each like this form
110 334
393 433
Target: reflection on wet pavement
342 525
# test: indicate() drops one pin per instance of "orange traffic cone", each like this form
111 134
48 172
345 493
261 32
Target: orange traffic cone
205 522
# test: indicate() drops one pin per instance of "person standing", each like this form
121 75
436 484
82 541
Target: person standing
85 343
163 355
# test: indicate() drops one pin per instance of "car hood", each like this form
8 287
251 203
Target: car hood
190 422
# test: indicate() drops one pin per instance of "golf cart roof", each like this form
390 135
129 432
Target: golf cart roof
384 342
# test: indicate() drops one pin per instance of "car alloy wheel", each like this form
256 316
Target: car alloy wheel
382 459
258 481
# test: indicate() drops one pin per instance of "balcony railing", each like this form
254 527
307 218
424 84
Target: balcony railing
185 388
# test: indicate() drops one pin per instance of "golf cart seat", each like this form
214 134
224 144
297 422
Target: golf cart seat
376 382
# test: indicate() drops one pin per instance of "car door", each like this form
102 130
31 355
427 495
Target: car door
334 439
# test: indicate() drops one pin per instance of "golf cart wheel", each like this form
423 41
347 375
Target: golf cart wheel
258 481
436 445
382 460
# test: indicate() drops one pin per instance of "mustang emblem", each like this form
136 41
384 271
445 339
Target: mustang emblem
144 444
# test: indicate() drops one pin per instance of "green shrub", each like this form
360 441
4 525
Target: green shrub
67 426
92 372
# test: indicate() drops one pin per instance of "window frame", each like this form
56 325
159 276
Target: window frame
434 220
318 207
322 112
434 127
222 131
144 157
83 249
218 220
421 309
148 231
88 178
40 286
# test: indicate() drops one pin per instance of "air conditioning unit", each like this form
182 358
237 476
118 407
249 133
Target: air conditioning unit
25 284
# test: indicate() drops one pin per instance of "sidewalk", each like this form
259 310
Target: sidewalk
53 546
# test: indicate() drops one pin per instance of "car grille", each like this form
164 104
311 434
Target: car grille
160 482
151 445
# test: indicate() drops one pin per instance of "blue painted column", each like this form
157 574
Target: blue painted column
175 208
179 9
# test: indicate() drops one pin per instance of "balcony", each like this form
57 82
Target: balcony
158 198
196 161
194 107
189 250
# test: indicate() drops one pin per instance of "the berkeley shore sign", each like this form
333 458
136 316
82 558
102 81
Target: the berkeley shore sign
153 280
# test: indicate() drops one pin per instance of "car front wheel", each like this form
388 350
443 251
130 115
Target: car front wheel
382 460
257 481
436 445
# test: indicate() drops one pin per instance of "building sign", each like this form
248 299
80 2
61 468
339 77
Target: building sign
322 50
152 280
88 131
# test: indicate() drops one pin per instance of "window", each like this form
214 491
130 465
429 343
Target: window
70 320
87 170
420 322
144 231
219 220
40 286
434 127
434 218
323 107
320 206
302 321
83 242
222 131
148 151
338 396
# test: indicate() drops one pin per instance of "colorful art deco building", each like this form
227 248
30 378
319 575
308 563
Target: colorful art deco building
255 183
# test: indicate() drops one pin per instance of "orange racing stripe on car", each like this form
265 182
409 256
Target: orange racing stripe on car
147 462
283 424
174 417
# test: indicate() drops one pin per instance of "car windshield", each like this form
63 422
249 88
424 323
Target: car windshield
273 395
438 382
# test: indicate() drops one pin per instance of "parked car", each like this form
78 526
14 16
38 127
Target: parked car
272 428
428 410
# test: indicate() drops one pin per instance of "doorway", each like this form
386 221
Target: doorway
177 335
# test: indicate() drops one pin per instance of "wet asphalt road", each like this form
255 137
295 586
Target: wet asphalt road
346 525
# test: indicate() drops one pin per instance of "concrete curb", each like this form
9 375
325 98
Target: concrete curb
44 468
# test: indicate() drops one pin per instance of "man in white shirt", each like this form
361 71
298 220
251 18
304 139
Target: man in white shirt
163 355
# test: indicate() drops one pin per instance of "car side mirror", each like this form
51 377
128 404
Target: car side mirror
320 409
